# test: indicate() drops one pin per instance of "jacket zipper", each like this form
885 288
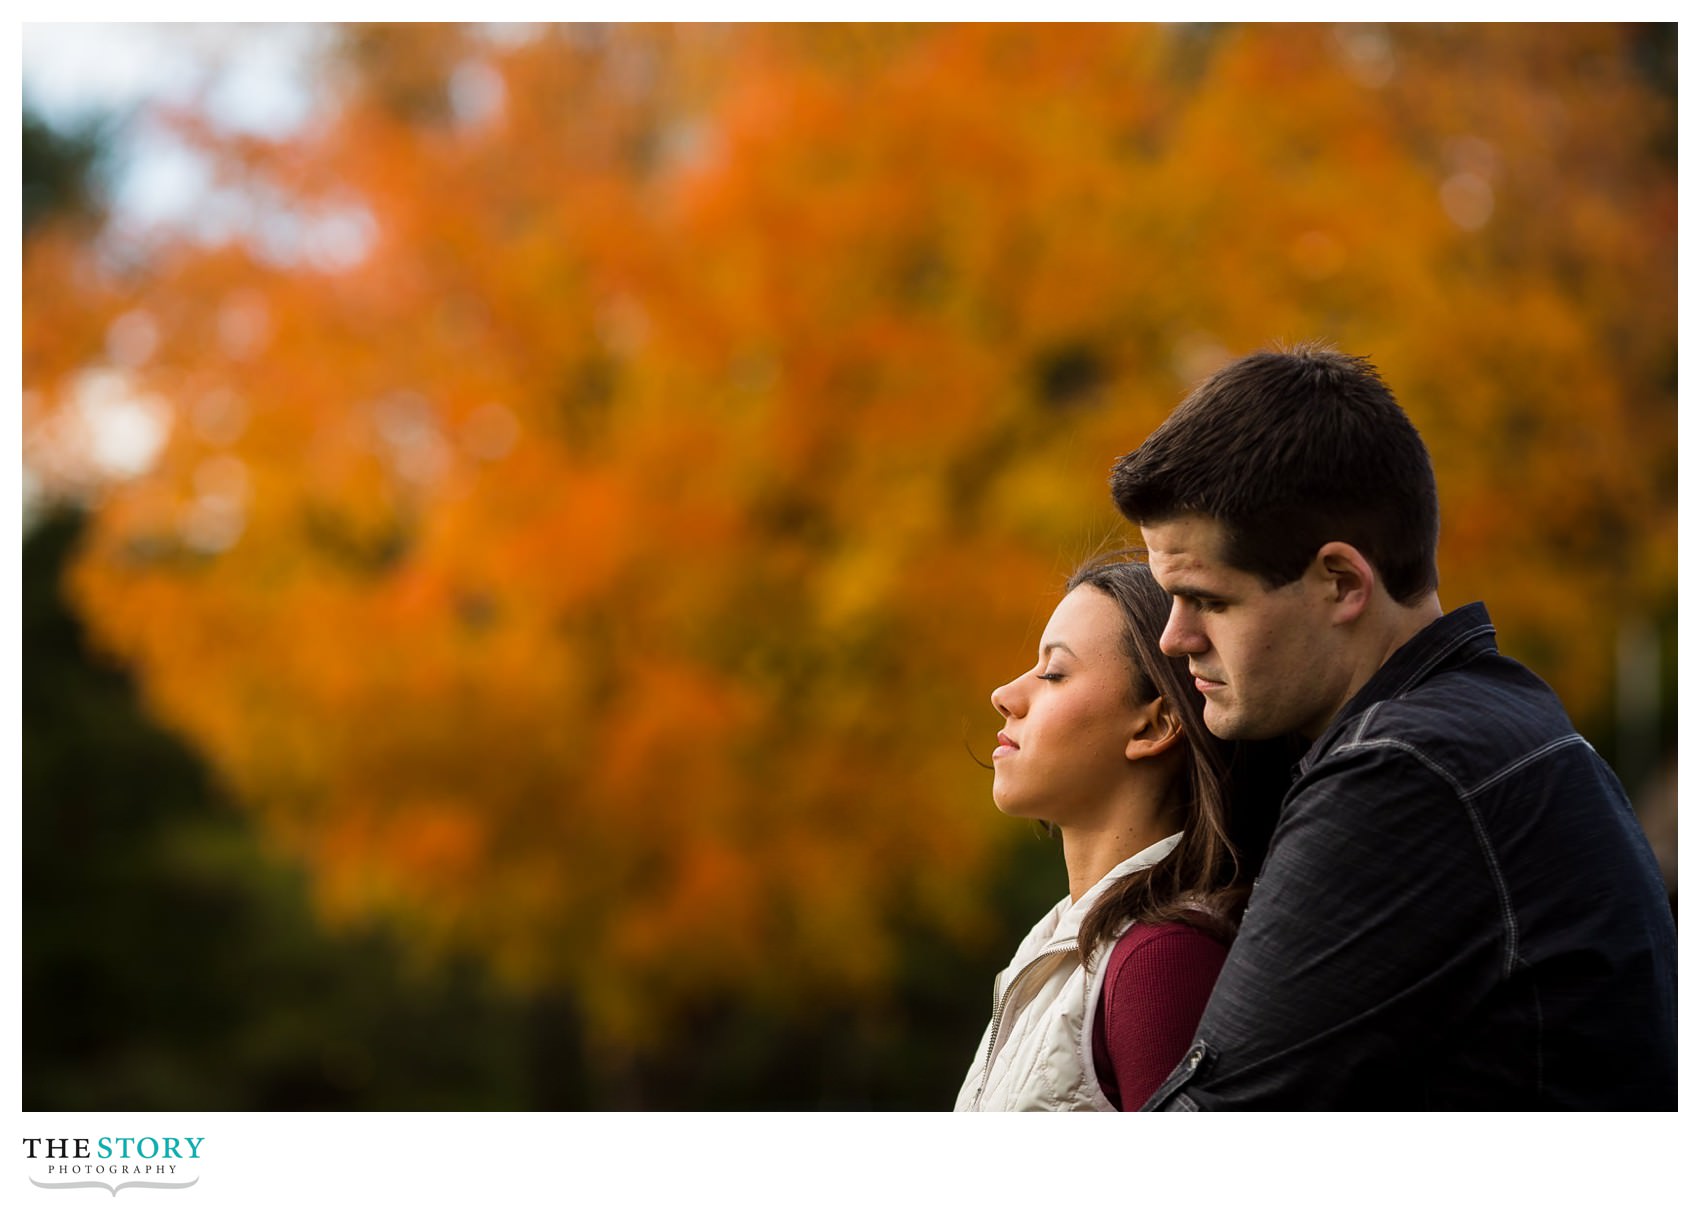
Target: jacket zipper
1003 1004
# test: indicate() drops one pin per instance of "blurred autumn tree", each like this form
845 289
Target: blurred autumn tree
606 470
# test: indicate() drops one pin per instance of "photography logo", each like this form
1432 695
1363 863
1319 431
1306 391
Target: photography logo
113 1163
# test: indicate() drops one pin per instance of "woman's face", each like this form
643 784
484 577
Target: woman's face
1062 755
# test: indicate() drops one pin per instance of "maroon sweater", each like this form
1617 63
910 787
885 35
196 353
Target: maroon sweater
1157 980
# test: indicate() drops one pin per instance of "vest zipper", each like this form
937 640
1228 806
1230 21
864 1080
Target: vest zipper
1002 1004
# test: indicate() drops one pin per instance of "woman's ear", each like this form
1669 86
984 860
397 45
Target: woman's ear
1157 730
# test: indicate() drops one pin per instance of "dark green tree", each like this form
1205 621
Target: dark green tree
61 169
169 963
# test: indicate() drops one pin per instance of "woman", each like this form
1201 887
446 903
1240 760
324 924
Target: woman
1104 740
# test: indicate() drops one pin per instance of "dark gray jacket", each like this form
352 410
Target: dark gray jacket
1458 910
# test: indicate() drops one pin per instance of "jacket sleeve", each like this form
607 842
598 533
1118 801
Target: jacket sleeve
1155 986
1375 921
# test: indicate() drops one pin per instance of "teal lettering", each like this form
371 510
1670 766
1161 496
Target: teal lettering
171 1148
142 1145
194 1146
106 1147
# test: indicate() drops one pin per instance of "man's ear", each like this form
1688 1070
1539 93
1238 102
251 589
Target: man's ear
1157 730
1347 577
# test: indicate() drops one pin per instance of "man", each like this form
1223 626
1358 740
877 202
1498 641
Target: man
1458 909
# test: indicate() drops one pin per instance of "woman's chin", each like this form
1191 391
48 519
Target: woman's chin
1013 806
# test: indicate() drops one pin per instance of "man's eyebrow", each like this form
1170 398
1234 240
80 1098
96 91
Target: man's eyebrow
1184 590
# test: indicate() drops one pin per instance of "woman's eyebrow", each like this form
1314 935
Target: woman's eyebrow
1057 644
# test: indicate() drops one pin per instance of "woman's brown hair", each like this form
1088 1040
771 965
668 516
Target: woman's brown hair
1225 795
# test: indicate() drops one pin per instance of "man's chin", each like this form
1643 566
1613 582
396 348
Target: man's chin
1219 722
1227 726
1224 725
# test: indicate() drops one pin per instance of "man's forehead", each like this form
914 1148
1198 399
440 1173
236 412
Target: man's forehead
1187 540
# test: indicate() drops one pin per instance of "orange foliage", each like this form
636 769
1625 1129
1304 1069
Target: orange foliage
604 569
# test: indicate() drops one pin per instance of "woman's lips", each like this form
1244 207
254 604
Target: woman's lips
1005 746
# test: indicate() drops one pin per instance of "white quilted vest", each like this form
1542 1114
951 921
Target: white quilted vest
1036 1054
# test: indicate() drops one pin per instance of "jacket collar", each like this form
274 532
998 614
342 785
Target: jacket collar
1457 637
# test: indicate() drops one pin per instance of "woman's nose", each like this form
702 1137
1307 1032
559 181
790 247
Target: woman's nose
1001 699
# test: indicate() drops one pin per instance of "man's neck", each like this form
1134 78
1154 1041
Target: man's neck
1405 622
1390 631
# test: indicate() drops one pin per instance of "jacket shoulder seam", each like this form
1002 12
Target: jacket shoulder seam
1534 755
1501 890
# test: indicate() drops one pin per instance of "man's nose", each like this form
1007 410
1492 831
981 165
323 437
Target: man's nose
1179 637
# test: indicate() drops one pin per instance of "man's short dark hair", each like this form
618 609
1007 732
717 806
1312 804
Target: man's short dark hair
1290 450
